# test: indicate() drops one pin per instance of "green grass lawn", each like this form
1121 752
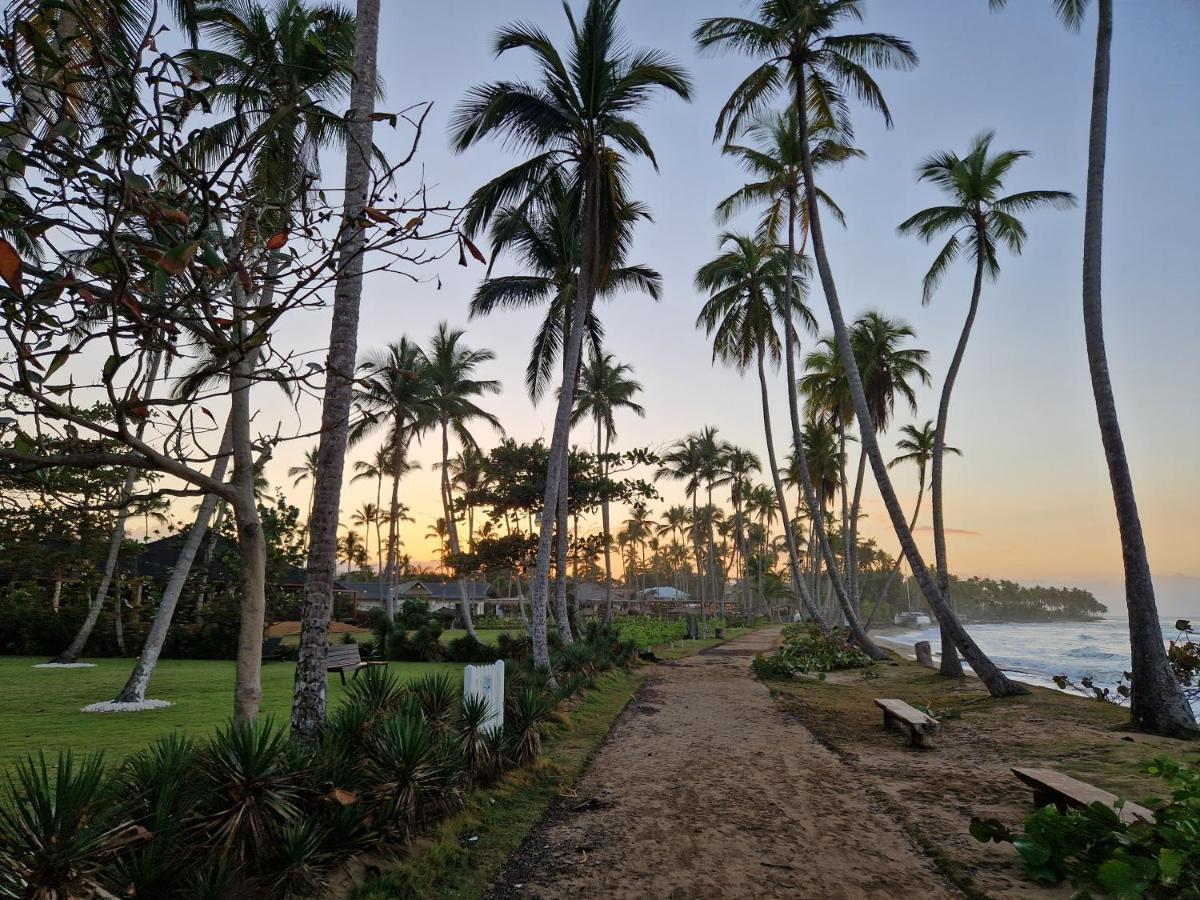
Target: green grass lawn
40 707
486 635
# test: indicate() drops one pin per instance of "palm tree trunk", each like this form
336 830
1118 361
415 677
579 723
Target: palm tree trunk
562 537
1157 703
789 532
464 602
852 543
860 637
309 699
696 551
998 684
139 679
398 454
887 585
572 353
605 524
79 642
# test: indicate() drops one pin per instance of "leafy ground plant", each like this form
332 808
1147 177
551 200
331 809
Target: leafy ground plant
806 650
1095 850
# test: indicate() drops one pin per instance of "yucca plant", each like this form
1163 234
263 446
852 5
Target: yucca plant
481 765
375 689
161 791
252 791
404 771
61 828
528 711
301 860
437 695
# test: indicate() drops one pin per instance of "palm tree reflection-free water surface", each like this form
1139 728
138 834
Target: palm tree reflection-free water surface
1034 652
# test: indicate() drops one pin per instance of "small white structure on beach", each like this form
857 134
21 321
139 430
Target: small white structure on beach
910 619
664 594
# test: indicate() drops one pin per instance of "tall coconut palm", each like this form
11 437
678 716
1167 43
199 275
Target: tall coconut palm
453 390
367 517
309 697
740 465
917 447
819 67
979 218
605 387
747 295
393 393
1157 703
468 473
579 122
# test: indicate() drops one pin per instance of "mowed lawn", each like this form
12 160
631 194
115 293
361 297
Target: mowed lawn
39 708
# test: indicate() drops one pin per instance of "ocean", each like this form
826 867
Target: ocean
1035 652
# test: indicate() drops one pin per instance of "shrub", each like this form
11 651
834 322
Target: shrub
467 649
806 649
1094 849
514 646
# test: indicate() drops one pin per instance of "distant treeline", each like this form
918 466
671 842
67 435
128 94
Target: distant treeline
986 599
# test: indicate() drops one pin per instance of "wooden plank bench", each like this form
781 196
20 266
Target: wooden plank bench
1052 787
345 658
921 728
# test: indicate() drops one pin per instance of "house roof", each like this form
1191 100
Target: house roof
421 589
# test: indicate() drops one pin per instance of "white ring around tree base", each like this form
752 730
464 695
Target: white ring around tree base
65 666
111 706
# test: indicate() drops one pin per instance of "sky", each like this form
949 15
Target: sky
1029 499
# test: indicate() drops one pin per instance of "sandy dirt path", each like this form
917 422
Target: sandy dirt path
706 789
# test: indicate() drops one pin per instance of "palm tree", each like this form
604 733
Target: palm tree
453 389
979 218
820 67
309 698
394 393
605 386
366 517
306 471
684 462
1157 703
746 295
353 550
578 121
468 473
277 72
713 454
740 464
917 447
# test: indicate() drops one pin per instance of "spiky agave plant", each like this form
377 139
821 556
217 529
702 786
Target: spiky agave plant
61 828
301 860
253 791
474 736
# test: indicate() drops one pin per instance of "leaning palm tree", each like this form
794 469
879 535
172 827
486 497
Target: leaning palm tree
579 122
747 294
819 67
1157 703
450 370
605 386
917 447
979 218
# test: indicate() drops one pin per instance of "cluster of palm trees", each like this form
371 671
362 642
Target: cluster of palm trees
565 211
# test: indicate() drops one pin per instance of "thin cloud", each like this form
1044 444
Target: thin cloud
965 532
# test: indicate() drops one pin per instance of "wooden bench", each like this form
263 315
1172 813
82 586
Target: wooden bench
343 658
1051 787
921 728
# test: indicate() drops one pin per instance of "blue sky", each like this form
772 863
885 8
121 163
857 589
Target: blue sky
1031 486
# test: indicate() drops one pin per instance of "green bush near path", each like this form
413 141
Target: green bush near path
40 707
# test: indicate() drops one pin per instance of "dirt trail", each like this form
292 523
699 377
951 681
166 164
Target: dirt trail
706 789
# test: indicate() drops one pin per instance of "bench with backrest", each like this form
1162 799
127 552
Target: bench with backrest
270 649
921 727
343 658
1051 787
